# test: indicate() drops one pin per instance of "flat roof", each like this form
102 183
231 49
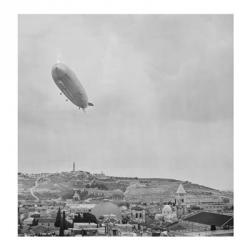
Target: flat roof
208 218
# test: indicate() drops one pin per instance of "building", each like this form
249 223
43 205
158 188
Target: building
76 196
80 208
138 214
85 229
214 206
203 224
181 206
47 222
120 230
107 209
28 222
85 224
168 214
35 214
101 176
211 221
41 231
117 195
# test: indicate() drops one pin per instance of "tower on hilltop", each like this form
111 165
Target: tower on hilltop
74 167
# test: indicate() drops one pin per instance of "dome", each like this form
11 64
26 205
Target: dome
158 216
117 192
123 208
106 208
117 195
166 209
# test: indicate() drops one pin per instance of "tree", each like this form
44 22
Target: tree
34 222
64 223
58 218
86 218
61 232
125 219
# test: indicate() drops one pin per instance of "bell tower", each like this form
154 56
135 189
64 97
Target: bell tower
180 201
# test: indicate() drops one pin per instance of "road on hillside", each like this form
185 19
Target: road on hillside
32 190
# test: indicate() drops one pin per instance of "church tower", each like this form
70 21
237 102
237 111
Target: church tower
180 201
74 167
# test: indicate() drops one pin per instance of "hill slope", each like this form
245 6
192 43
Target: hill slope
62 185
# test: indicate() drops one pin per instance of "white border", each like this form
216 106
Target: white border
8 45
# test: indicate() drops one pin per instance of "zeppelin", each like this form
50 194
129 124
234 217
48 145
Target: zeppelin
70 86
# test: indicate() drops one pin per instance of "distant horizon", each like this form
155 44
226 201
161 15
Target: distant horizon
139 177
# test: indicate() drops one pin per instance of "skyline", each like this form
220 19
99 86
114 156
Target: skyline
162 86
86 170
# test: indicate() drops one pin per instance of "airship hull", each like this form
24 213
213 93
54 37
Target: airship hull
68 83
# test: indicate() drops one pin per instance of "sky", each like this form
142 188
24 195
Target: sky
162 86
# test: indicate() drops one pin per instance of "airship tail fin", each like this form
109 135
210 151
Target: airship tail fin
90 104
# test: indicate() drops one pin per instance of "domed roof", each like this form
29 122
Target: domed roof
117 192
167 209
106 208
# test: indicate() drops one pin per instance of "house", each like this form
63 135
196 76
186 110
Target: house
28 222
47 222
138 214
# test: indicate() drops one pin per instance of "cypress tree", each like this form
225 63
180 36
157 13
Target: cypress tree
61 232
62 225
58 218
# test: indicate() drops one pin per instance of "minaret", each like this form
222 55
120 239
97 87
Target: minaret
74 167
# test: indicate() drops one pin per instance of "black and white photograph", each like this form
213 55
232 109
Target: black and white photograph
125 125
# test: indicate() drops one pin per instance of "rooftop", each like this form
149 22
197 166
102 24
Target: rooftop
211 219
137 208
46 220
180 190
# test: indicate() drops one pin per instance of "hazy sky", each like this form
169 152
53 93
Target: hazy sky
162 86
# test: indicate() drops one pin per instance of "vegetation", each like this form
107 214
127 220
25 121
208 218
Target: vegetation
85 218
58 218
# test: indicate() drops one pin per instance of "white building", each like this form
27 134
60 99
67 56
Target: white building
80 208
167 214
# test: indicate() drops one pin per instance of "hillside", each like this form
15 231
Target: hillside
62 185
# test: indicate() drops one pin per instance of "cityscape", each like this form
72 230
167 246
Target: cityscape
78 203
125 125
